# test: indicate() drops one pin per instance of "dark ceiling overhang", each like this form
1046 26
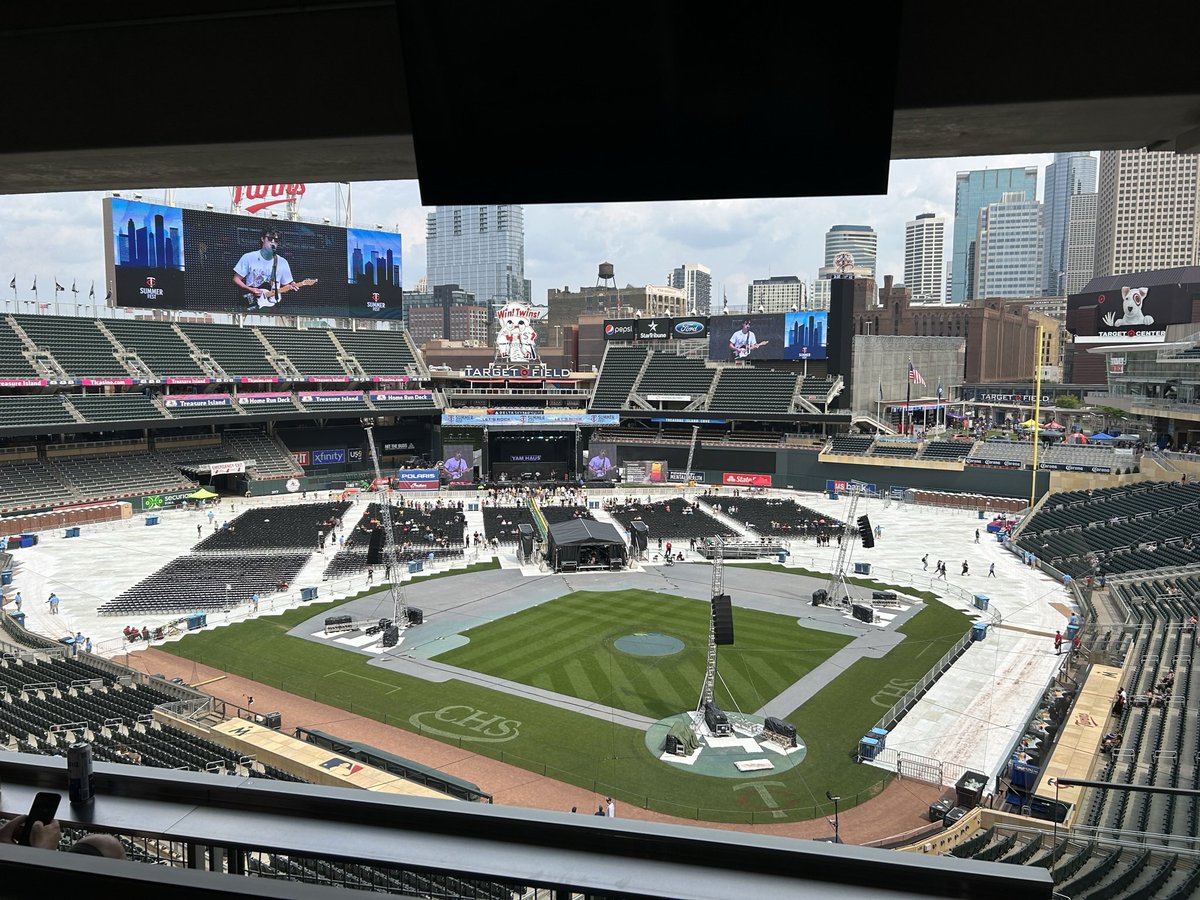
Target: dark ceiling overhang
530 103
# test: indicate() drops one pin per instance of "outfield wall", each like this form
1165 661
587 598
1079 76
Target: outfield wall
803 470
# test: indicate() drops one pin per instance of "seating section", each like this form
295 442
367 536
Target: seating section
238 351
116 474
115 407
189 456
1015 453
31 483
817 390
1150 525
555 514
669 519
783 518
380 353
617 376
44 409
311 352
1082 455
947 450
273 460
748 390
500 522
895 449
851 445
76 344
203 582
276 528
667 373
418 528
12 363
157 345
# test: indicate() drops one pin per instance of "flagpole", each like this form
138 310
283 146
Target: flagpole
908 398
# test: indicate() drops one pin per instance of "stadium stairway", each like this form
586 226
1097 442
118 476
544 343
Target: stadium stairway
727 520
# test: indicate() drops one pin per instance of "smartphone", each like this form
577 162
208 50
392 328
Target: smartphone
44 806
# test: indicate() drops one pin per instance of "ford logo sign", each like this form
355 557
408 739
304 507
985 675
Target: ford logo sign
688 327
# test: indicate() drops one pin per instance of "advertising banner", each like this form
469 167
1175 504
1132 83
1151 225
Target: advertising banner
647 471
618 329
384 396
331 396
23 382
100 382
258 379
652 329
500 418
188 379
354 454
194 400
690 329
301 457
327 457
743 479
276 397
328 379
843 486
417 480
771 336
164 257
679 476
659 328
1130 311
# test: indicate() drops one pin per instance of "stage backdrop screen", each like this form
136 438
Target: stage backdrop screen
1131 312
459 464
163 257
792 335
602 461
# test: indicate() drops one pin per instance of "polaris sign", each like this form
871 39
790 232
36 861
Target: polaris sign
417 480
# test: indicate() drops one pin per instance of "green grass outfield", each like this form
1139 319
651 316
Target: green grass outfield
595 755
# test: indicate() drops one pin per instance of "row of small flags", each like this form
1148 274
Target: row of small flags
58 287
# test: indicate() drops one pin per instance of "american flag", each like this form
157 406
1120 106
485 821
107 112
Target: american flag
914 377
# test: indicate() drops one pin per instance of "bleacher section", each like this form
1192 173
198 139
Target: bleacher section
157 345
895 449
12 363
115 407
238 351
667 373
210 582
273 461
311 352
669 519
45 409
617 376
276 528
31 483
1146 526
190 455
783 518
742 389
948 451
850 445
76 344
380 353
1011 454
113 475
817 390
1082 455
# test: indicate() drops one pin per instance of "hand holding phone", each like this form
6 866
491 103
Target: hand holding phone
44 806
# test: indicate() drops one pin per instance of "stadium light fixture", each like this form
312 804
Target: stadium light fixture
837 839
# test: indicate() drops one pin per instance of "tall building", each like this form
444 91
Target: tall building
972 192
1069 174
860 240
779 293
479 248
1081 243
1147 212
925 258
1008 248
446 313
696 281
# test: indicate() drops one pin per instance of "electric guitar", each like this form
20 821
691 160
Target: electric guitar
743 352
268 297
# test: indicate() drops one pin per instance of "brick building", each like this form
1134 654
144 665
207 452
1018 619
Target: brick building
1001 335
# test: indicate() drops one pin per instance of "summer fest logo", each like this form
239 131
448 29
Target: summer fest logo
469 723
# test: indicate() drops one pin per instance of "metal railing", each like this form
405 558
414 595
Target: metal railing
917 691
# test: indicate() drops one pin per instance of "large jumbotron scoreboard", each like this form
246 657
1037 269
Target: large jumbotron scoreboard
167 257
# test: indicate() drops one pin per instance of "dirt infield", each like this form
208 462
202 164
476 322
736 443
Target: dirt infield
899 809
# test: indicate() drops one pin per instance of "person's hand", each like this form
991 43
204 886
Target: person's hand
46 835
8 834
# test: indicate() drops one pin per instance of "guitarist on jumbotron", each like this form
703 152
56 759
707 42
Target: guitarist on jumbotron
264 275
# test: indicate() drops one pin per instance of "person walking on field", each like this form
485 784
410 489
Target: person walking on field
1058 641
966 570
925 562
992 570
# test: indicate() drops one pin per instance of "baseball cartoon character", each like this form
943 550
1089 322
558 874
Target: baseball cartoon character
1132 299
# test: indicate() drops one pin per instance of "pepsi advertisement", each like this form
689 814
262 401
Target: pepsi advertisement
769 336
164 257
657 329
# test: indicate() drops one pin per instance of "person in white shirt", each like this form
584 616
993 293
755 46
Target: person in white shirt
264 275
742 341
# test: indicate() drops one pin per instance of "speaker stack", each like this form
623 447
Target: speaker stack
722 614
391 636
416 615
641 535
375 548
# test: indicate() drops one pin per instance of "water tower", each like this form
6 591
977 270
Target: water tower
607 280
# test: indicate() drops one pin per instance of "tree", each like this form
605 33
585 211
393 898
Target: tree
1067 401
1111 414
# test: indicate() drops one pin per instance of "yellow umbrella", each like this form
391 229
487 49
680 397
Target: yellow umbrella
202 494
1029 423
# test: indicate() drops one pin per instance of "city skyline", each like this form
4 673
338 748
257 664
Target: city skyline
739 240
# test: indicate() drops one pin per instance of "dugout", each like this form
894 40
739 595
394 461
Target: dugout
579 545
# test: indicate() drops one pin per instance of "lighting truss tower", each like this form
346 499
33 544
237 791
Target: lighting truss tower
718 588
395 587
836 589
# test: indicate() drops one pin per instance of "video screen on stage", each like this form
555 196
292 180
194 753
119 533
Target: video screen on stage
459 464
771 336
602 461
516 455
164 257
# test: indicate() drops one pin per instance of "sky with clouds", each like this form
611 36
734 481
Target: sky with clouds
59 236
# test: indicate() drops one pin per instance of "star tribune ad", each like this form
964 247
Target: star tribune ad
164 257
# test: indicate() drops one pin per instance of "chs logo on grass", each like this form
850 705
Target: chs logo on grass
689 327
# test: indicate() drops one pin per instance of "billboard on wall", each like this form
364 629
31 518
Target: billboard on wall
659 328
1131 312
164 257
647 471
771 336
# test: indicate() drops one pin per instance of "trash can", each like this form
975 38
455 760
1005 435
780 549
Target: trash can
782 556
868 748
880 734
979 631
151 520
6 576
982 601
982 514
29 536
71 532
18 617
308 593
833 495
954 815
938 810
862 568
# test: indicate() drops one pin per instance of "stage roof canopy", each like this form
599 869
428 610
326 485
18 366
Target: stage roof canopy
579 532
